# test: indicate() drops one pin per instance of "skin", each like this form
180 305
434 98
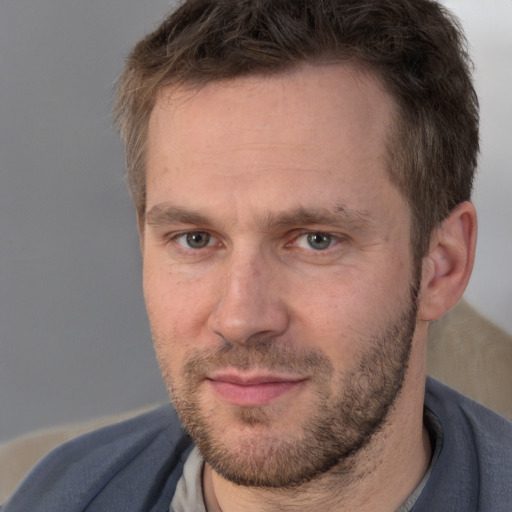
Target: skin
255 165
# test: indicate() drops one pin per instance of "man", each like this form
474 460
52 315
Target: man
302 174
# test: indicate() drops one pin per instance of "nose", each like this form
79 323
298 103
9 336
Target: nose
250 300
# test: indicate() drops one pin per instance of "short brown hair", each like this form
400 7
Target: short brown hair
416 47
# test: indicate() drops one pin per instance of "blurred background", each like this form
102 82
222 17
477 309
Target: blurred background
74 338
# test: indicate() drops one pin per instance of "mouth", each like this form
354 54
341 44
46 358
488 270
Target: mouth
253 390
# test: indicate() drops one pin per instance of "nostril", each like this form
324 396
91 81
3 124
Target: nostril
243 323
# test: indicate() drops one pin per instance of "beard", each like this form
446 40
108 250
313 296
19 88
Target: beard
345 414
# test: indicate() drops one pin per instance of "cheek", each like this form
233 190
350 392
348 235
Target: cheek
326 317
341 313
178 311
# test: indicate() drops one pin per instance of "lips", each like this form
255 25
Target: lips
254 390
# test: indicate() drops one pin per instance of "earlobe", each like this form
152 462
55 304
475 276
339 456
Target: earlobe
449 263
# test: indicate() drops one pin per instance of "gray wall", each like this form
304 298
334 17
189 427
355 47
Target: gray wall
74 340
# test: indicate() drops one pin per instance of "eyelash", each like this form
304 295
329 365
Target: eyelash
176 239
332 240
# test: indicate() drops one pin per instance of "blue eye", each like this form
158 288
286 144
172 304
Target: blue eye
194 240
317 241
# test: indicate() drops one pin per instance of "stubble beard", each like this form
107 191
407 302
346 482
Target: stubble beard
340 425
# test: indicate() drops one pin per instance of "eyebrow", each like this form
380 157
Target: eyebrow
166 214
336 215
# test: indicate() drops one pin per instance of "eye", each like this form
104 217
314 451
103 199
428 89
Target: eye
317 241
194 240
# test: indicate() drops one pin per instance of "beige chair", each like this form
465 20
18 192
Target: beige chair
474 356
466 351
18 456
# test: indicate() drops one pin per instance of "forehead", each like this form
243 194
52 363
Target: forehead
303 131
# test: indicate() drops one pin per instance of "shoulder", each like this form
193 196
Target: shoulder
132 465
474 467
465 416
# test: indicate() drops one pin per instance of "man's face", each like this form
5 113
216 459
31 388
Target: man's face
277 269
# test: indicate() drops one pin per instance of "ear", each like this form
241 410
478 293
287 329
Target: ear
449 263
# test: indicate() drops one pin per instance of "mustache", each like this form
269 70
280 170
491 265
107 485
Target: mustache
257 353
